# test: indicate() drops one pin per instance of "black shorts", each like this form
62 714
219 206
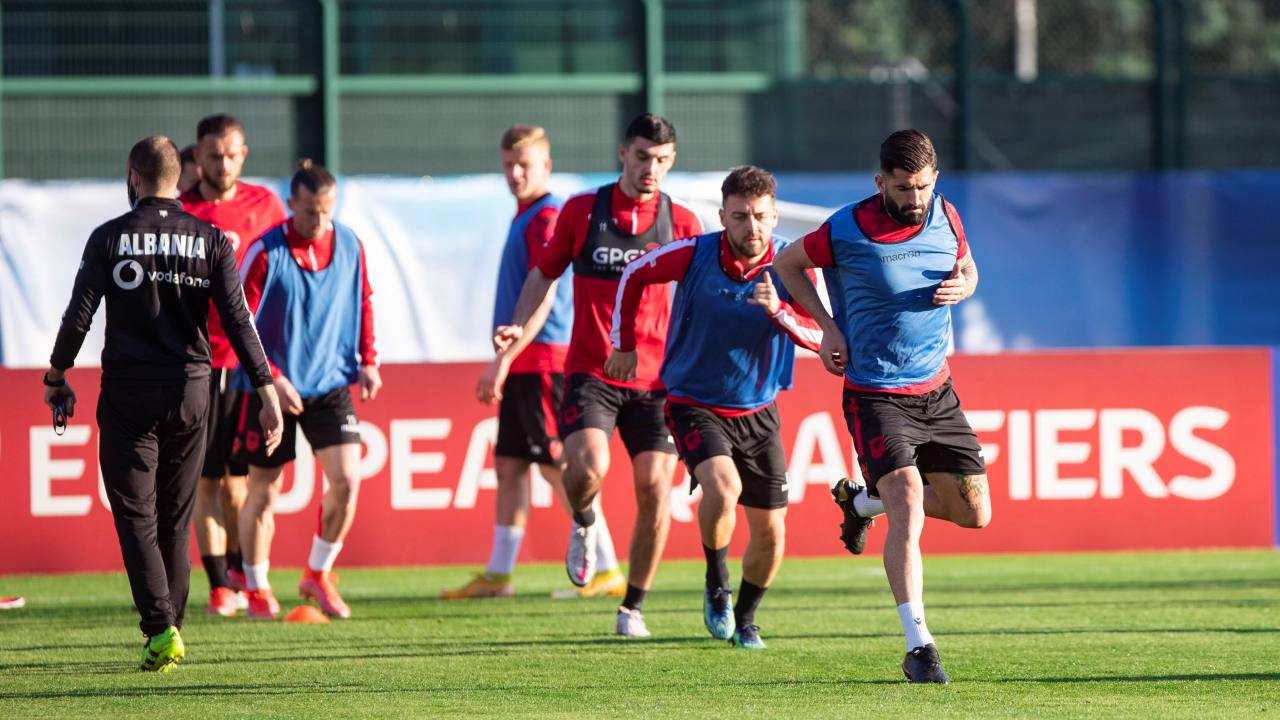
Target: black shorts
326 420
894 431
751 441
220 426
590 402
527 418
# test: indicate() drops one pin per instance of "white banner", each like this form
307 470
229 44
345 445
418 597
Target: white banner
432 245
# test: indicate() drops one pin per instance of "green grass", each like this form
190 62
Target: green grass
1158 635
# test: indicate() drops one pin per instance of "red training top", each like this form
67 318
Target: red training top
244 218
593 298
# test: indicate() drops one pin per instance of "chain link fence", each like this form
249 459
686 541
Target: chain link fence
426 86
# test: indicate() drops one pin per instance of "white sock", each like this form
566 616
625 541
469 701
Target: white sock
323 554
255 576
912 616
506 547
606 558
867 506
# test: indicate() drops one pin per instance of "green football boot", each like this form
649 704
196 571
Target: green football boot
161 652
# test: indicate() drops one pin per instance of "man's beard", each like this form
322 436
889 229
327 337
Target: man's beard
897 213
222 185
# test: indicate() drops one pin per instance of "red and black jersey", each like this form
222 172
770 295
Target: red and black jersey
252 211
599 247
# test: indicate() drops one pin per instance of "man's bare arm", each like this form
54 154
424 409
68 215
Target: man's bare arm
532 309
791 265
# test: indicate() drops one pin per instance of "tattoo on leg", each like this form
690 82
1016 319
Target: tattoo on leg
973 488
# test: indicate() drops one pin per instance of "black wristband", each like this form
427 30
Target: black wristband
59 383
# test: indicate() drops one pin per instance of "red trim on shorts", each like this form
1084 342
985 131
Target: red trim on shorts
857 426
549 410
921 388
722 412
244 413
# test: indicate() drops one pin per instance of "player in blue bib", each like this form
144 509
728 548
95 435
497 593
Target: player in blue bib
894 264
729 352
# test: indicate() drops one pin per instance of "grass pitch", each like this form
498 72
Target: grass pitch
1159 635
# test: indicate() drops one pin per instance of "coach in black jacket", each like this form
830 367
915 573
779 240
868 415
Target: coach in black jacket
158 268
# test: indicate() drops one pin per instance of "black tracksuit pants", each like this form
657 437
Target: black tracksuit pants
151 443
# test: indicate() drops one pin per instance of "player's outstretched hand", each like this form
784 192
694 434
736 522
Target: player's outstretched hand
290 400
61 395
506 336
766 295
489 386
370 382
833 351
621 365
952 290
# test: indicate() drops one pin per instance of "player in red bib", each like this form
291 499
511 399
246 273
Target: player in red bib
598 233
243 212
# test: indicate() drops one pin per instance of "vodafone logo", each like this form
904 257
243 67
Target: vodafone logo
130 269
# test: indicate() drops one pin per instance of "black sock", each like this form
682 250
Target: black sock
585 518
749 596
634 599
215 566
717 567
235 561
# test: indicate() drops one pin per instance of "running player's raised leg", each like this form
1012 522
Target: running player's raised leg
963 499
587 462
608 580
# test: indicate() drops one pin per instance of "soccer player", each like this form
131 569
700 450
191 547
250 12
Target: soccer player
894 263
729 352
242 211
528 388
158 268
190 176
308 285
598 233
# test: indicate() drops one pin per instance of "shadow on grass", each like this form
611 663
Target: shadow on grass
1194 677
264 689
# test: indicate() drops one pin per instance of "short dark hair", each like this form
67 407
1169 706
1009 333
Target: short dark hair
909 150
218 125
654 128
749 181
188 154
156 161
311 176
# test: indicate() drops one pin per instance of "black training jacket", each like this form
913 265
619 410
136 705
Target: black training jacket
158 268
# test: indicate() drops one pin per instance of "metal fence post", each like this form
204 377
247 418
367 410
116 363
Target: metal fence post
1168 122
963 122
1178 101
1160 99
2 91
329 90
654 37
